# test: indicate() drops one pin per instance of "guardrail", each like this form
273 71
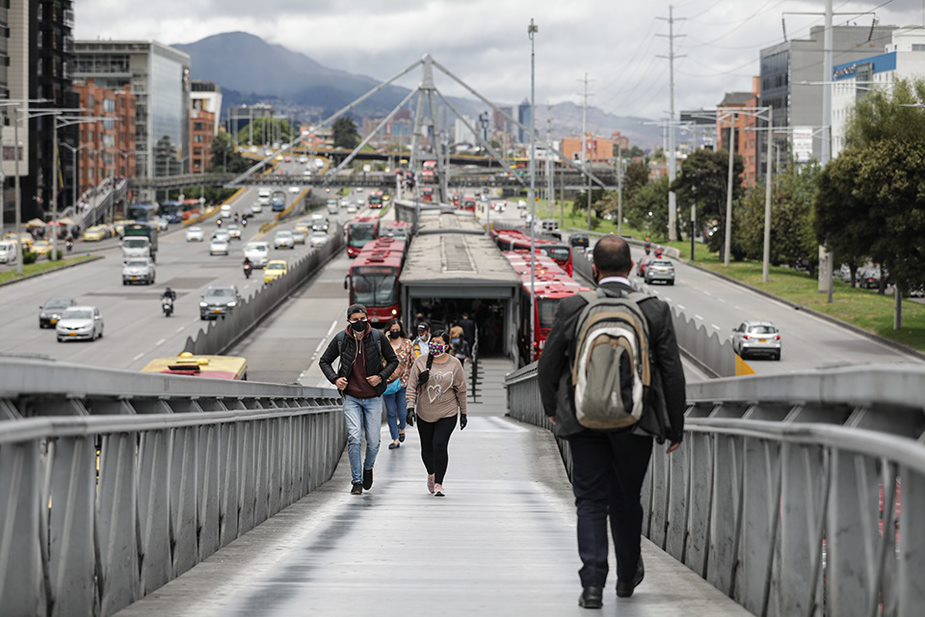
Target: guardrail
98 511
795 494
224 332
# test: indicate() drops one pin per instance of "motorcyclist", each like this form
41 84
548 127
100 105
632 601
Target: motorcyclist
169 294
236 217
648 247
244 221
219 222
248 266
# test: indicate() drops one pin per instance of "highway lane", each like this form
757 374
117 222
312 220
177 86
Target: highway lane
135 329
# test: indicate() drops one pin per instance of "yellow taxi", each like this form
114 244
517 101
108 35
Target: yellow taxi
279 158
275 268
23 237
97 233
42 248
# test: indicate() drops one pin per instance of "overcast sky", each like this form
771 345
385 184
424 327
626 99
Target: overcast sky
485 41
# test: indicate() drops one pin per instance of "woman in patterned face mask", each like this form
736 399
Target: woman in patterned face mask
436 396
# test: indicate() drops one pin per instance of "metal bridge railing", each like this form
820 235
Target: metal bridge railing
97 511
798 494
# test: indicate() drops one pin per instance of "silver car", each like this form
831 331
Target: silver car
660 270
218 245
138 270
257 253
8 252
318 239
80 323
283 240
195 234
757 339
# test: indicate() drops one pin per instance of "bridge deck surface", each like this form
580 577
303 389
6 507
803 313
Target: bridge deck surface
501 543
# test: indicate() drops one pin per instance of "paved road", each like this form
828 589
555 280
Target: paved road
135 330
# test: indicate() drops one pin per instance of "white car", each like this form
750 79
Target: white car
283 240
138 270
303 159
219 246
358 189
8 252
307 172
351 209
162 223
263 197
80 322
234 232
258 253
294 190
318 239
257 208
225 212
195 234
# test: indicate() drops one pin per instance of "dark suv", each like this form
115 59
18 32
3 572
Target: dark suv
51 311
218 301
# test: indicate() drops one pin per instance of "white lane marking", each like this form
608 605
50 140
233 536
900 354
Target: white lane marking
138 357
180 329
737 307
707 293
682 307
721 300
320 345
331 329
715 327
667 299
698 317
160 342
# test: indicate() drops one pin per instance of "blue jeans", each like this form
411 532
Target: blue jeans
397 413
362 415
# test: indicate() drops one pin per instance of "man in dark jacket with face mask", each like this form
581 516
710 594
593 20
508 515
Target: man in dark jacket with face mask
366 360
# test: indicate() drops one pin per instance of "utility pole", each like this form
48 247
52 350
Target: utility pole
826 258
727 240
672 155
532 29
584 144
550 168
766 261
619 189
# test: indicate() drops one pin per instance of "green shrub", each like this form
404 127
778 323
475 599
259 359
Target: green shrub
28 257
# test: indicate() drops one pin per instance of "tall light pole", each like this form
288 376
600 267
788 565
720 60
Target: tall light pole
766 255
727 241
60 121
75 181
828 271
672 155
532 29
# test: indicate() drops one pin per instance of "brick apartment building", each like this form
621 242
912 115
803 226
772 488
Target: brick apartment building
747 139
600 149
202 134
107 146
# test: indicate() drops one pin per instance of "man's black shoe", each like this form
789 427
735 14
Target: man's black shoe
367 479
591 597
357 489
625 588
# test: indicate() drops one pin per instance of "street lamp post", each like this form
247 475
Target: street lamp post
75 182
532 29
60 122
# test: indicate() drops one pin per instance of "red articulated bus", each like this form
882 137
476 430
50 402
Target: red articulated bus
468 204
514 240
552 285
375 200
360 231
399 230
427 194
373 279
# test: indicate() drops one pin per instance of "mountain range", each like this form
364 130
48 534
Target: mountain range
251 70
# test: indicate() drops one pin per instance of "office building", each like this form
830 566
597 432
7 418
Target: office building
524 114
160 82
792 76
107 146
205 121
904 59
14 68
207 96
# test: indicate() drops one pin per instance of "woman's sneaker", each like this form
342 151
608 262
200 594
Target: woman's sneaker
430 484
438 490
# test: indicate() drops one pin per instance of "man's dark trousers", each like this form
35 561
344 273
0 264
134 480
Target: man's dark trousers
608 470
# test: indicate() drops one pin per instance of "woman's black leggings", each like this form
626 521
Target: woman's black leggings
435 439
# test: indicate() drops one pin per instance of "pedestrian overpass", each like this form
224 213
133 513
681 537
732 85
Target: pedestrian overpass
798 494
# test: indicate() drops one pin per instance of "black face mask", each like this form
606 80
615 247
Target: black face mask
394 335
358 326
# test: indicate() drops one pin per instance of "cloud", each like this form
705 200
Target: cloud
485 41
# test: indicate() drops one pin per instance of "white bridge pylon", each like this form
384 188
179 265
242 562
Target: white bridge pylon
424 96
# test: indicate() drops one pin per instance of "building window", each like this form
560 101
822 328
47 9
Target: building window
918 47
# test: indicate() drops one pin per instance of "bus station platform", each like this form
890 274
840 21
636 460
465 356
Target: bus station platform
501 543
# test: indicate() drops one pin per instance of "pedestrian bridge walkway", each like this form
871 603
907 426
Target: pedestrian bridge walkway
501 543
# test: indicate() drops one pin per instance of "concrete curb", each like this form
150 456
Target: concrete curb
832 320
67 267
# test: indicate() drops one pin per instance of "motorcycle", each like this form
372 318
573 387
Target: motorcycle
69 245
219 222
244 222
247 270
167 306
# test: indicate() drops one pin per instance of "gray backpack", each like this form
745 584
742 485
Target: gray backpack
611 368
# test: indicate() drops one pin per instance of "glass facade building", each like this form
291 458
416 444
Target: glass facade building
160 80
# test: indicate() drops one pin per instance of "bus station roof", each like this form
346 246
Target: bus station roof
448 222
457 265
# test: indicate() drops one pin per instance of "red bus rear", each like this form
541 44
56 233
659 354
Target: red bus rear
427 194
399 230
373 279
514 240
360 231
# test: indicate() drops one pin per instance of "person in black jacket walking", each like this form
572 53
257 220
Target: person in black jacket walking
366 360
609 467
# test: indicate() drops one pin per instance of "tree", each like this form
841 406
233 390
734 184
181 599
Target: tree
266 131
635 177
345 133
793 237
225 157
703 182
647 210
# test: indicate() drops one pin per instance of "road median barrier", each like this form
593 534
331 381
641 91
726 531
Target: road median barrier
223 333
281 216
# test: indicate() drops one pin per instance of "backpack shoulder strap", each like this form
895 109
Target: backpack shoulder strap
340 338
590 296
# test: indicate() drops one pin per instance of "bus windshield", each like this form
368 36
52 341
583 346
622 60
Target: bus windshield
559 253
361 234
375 286
547 310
